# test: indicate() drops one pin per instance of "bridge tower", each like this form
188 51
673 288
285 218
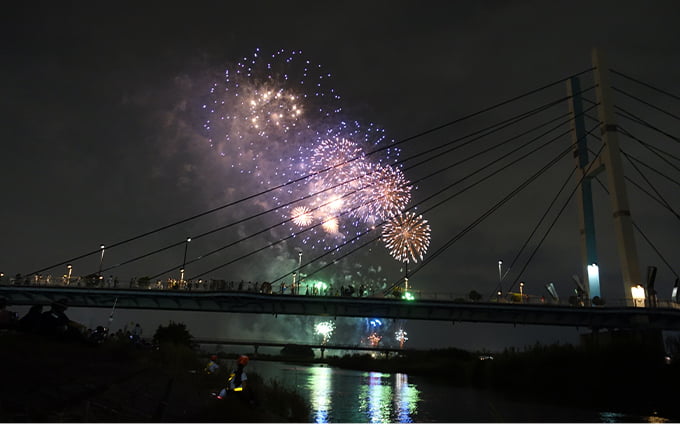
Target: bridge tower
589 272
609 161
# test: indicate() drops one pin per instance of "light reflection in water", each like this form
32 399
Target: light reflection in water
320 386
385 398
405 398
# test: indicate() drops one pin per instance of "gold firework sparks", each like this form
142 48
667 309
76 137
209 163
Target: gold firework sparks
407 237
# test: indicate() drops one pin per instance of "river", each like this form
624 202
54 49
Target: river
339 395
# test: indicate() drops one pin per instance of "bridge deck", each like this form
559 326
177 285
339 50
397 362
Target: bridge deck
273 304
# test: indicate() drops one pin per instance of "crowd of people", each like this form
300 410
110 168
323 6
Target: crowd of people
55 324
113 282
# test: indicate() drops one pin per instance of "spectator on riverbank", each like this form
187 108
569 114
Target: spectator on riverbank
55 322
212 367
7 318
30 322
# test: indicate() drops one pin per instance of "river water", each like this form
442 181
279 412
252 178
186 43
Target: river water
338 395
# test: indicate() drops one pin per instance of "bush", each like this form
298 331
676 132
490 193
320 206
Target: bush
174 333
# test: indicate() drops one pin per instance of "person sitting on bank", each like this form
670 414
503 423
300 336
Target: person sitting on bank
8 319
55 323
213 367
237 381
30 322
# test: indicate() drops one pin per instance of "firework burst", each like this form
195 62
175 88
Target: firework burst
384 194
301 216
325 330
400 336
265 108
348 190
374 339
407 237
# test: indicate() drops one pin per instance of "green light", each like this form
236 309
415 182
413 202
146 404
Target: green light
321 285
408 296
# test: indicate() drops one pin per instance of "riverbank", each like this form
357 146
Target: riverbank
46 380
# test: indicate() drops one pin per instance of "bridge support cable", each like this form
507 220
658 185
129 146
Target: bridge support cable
559 156
657 108
654 150
638 81
428 198
302 178
493 209
516 149
545 235
649 183
650 195
485 132
647 239
630 116
501 125
650 168
517 118
535 229
497 145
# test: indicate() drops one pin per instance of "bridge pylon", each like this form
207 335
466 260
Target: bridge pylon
610 162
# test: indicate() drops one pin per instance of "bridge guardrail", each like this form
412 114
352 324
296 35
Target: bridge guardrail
206 286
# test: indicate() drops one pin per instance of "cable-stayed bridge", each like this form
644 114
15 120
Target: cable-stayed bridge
593 150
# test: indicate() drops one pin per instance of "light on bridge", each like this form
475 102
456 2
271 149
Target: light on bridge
638 293
593 280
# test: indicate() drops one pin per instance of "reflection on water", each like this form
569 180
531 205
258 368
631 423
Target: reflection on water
320 384
380 397
337 395
387 398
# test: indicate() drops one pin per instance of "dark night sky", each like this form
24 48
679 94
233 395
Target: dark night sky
102 134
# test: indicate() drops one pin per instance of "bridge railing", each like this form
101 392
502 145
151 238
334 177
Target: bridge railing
250 287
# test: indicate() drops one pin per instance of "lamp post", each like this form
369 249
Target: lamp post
521 291
184 261
101 262
295 288
500 277
69 267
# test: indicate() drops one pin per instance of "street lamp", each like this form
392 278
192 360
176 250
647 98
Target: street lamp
500 277
295 289
184 261
521 291
69 267
101 262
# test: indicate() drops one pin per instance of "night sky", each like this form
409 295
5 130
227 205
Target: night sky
103 139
